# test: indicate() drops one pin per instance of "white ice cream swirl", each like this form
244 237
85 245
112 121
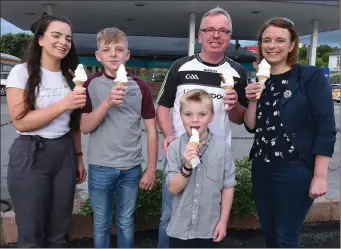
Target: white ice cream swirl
80 74
264 69
195 136
121 74
195 139
229 81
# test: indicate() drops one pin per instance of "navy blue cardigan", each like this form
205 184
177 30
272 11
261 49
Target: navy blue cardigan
307 113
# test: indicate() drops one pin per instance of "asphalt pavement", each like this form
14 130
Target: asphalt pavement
317 235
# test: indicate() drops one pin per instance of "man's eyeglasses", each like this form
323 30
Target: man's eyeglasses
286 20
211 31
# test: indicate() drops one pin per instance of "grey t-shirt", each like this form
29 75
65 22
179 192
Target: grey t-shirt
117 140
196 210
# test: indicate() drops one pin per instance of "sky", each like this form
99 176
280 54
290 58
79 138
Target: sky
326 38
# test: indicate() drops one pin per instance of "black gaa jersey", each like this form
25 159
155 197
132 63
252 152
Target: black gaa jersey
192 73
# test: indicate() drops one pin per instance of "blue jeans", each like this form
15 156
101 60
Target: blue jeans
103 183
281 193
167 200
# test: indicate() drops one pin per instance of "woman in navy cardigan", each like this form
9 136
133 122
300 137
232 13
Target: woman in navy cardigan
295 132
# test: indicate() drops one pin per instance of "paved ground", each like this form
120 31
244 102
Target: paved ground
326 235
240 148
320 235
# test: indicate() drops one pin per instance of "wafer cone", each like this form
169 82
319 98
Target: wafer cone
124 84
261 81
226 88
79 85
194 145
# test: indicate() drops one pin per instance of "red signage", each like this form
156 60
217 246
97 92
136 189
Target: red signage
252 49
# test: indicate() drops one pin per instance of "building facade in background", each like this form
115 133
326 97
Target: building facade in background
7 63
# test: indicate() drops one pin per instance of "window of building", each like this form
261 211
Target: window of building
6 67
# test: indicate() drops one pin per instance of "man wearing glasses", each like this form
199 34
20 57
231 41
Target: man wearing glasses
201 71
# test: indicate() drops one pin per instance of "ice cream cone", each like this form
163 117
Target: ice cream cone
124 84
194 145
226 88
261 81
80 77
79 85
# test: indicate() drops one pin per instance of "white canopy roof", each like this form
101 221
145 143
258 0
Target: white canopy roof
171 18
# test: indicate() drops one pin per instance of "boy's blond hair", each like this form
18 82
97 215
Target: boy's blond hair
111 35
198 96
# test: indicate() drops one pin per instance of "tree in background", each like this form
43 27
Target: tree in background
302 55
15 44
322 56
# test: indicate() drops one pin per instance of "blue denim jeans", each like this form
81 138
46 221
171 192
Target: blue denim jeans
103 183
281 193
167 200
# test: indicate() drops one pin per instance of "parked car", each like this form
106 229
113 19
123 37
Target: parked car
336 92
4 76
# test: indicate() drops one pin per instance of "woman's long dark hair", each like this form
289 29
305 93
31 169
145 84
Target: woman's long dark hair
33 57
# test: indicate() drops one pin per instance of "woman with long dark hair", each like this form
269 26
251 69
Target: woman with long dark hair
294 127
45 161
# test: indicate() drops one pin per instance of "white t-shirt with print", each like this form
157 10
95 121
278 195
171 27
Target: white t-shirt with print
53 87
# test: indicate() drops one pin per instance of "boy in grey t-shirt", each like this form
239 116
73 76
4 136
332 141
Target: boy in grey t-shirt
112 116
203 195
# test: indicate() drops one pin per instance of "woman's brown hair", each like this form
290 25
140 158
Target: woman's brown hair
283 23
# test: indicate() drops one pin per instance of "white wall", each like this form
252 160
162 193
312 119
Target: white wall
333 60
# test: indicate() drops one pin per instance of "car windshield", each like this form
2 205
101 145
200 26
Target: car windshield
336 86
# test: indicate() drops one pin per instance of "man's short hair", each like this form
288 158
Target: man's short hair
111 35
214 12
198 96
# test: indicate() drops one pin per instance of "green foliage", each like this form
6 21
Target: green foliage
302 53
243 203
15 44
303 61
149 202
322 56
320 63
335 76
323 50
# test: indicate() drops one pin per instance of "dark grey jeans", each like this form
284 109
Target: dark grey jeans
41 182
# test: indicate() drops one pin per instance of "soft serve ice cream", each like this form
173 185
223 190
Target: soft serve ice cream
227 83
263 74
121 76
194 141
80 76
